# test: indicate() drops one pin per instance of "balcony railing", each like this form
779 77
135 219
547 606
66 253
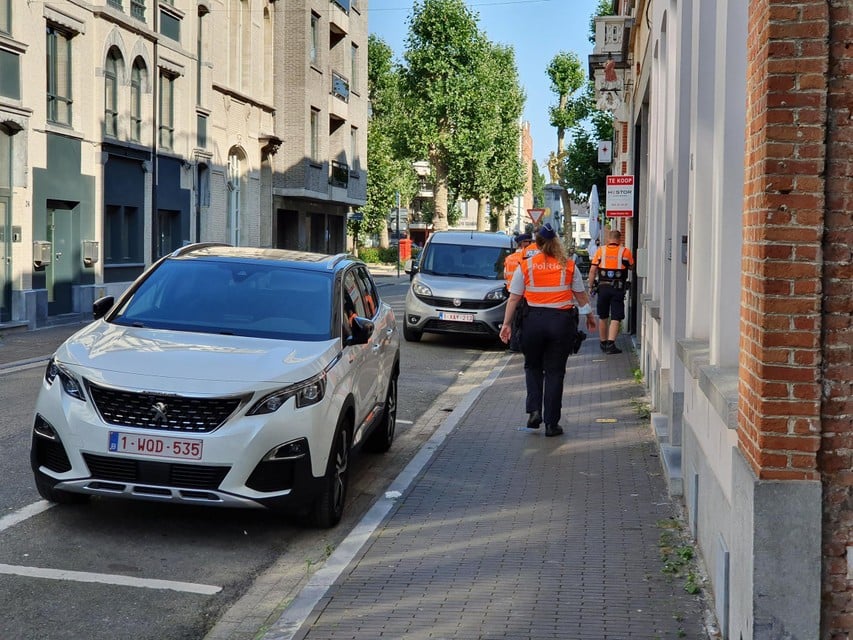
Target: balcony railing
338 174
340 87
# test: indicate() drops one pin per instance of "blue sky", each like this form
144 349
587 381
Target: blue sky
536 29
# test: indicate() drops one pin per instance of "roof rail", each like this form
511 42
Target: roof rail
337 258
196 245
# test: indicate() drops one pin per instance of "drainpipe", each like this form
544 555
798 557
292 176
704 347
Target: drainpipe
155 108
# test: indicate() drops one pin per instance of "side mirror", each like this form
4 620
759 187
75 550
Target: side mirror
101 306
362 330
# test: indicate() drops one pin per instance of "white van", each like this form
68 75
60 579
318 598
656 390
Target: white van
458 285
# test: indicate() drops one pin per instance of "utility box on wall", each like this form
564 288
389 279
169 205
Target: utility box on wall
91 251
42 253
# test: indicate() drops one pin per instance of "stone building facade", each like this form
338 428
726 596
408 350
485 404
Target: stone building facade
737 125
129 128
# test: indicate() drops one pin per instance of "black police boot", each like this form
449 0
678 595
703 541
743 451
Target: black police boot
534 419
603 345
612 348
553 430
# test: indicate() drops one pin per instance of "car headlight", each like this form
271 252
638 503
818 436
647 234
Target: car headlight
497 294
420 289
308 392
69 383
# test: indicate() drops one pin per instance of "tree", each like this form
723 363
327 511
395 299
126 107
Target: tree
567 78
486 166
444 49
581 169
387 173
538 181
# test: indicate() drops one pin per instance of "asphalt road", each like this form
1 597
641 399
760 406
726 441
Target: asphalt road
115 570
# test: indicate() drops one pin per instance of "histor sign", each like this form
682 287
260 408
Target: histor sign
620 197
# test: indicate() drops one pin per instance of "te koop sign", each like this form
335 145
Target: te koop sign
620 197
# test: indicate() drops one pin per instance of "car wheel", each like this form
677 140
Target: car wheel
411 335
47 490
330 504
383 436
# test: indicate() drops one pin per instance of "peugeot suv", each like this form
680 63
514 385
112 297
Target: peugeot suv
457 285
225 376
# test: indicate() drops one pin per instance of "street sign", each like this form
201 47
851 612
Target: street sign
605 152
537 214
620 197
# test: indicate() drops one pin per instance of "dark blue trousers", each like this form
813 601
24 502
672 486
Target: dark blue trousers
546 342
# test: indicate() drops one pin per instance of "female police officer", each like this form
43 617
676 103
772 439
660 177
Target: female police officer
552 287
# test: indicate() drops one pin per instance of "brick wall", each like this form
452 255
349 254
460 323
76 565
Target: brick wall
835 458
784 202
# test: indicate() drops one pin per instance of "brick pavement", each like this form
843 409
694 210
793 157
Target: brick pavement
508 534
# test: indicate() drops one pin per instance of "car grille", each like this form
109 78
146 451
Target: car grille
447 303
444 326
160 411
164 474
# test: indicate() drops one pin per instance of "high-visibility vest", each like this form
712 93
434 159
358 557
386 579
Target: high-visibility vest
513 260
546 283
610 262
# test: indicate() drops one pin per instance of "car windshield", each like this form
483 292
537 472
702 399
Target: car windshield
256 299
464 261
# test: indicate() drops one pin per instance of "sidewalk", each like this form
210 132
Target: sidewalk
508 534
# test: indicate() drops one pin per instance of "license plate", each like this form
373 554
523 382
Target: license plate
455 317
160 446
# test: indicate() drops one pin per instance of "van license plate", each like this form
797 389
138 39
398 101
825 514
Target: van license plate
160 446
455 317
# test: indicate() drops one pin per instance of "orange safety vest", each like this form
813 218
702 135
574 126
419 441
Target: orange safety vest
547 284
513 260
610 261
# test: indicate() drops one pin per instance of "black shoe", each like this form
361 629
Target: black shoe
612 348
553 430
603 345
534 420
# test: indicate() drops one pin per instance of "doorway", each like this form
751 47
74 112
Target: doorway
5 260
59 274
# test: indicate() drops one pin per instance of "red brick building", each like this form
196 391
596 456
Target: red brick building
737 122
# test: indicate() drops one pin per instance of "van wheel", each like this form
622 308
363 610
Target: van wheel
329 507
383 436
411 335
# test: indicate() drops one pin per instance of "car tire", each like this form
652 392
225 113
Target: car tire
329 507
411 335
382 437
47 490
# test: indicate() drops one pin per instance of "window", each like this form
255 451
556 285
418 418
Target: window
170 26
315 37
315 135
111 94
353 148
353 74
232 223
58 76
167 110
137 75
201 130
6 16
137 9
123 235
118 4
10 74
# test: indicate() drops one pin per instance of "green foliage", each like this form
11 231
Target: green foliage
580 168
538 187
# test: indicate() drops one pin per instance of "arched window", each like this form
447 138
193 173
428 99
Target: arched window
137 78
235 196
111 93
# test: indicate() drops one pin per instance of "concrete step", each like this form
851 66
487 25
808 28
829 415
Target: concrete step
671 460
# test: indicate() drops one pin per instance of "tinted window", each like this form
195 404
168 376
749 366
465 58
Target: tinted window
464 260
254 299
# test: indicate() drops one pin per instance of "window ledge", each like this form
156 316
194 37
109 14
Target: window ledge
653 306
694 354
720 386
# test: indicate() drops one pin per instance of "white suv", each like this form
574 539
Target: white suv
224 376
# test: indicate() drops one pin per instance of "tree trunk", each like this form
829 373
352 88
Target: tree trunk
568 238
383 236
481 214
439 216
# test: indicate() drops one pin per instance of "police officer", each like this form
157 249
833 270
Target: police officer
513 260
552 287
611 265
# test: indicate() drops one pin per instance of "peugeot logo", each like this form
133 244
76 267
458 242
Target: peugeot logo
158 413
457 302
